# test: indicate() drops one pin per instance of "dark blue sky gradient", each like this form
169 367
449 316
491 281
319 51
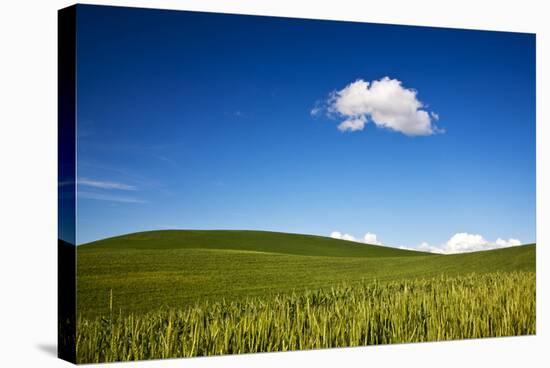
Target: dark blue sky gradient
205 121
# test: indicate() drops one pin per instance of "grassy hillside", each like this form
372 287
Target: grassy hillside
248 240
146 271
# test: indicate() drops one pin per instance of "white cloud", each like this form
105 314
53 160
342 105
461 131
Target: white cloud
352 124
465 242
348 237
458 243
339 235
104 184
500 243
336 235
425 247
368 238
385 102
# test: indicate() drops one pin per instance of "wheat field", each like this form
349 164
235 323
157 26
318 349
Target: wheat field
366 313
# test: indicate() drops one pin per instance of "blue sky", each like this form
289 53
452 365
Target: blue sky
210 121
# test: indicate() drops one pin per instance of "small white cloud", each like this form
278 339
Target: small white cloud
339 235
385 102
336 235
371 238
368 238
425 247
465 242
348 237
352 124
500 243
104 184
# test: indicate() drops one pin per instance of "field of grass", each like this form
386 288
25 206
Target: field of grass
441 308
173 269
185 293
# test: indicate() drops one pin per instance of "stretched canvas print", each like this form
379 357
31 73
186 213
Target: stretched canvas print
238 184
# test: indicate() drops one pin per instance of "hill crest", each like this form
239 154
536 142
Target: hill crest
249 240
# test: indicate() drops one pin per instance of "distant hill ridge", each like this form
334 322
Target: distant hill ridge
250 240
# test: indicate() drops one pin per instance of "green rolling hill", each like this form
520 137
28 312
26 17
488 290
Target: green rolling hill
176 268
248 240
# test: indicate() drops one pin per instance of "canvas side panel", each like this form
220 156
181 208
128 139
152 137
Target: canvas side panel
66 248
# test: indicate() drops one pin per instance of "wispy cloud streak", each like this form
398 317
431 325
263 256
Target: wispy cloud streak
108 197
105 184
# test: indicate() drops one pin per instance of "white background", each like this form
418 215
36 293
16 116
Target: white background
28 174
